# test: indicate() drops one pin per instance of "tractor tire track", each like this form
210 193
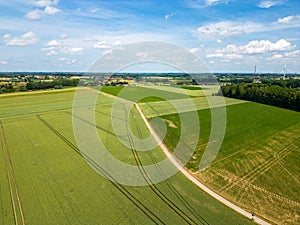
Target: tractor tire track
17 208
151 185
154 218
174 191
260 169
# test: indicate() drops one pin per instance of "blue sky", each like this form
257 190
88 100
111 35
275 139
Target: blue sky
227 35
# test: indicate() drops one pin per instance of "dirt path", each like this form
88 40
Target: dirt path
194 180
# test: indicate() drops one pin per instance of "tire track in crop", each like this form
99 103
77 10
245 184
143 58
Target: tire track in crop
94 125
17 208
261 168
174 191
151 185
154 218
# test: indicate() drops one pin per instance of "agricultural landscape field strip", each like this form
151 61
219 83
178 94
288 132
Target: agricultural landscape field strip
258 139
154 109
13 189
198 183
57 185
178 89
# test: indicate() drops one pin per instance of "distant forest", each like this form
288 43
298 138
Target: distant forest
280 93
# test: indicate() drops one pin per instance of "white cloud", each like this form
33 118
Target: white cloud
289 19
219 41
6 37
33 15
194 50
228 28
68 61
45 3
254 47
63 36
117 43
72 50
265 4
45 7
264 46
52 53
168 16
102 45
94 10
51 10
215 2
293 54
3 62
25 39
196 4
53 43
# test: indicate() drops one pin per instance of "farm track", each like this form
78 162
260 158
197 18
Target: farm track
153 186
154 218
174 191
252 176
17 208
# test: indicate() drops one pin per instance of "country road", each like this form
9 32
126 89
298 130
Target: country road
194 180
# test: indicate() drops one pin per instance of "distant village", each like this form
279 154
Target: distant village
14 81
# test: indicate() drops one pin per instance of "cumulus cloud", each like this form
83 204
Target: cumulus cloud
265 4
289 19
25 39
228 28
54 47
264 46
253 47
51 10
53 43
44 7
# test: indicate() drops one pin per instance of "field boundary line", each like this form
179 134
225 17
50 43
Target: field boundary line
194 180
11 177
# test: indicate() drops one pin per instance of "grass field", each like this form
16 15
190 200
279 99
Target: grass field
257 166
46 180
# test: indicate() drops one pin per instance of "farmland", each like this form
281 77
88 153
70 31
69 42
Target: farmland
46 180
256 167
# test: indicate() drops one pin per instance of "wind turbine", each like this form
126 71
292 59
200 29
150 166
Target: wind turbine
284 70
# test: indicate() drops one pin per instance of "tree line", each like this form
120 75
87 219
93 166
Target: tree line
52 84
274 95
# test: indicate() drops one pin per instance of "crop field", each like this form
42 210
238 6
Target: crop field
257 167
46 179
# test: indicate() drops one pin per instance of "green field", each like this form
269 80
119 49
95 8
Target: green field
46 180
257 167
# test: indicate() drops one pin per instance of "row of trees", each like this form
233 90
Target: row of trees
52 84
290 83
267 94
